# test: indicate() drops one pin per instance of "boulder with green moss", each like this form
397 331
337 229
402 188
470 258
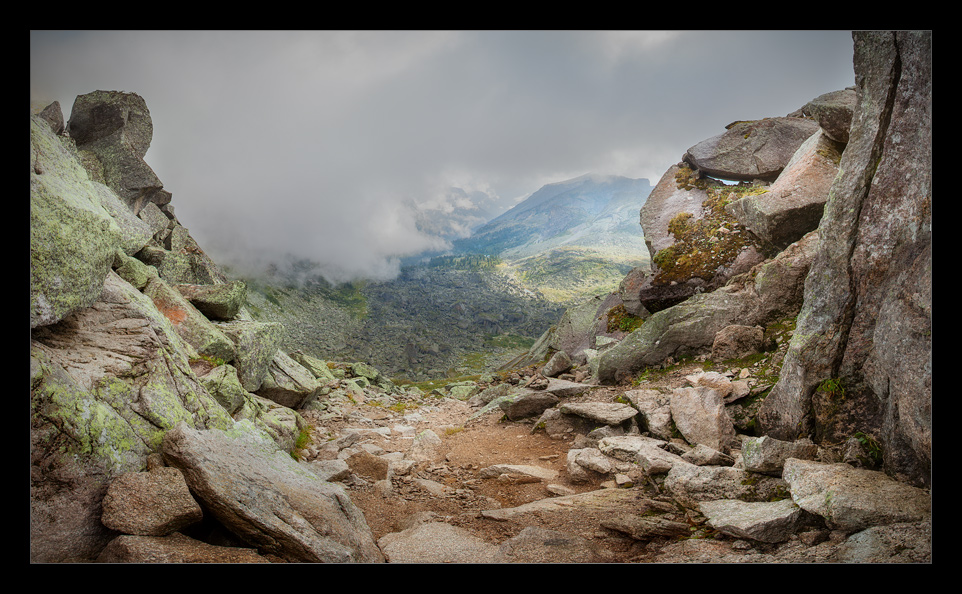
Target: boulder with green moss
73 235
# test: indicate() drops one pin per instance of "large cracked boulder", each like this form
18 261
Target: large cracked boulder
268 499
860 359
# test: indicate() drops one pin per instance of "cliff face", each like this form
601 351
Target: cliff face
861 358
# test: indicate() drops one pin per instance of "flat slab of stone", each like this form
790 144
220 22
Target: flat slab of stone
608 413
853 498
600 501
436 542
763 521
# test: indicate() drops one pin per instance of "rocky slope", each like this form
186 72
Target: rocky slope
647 426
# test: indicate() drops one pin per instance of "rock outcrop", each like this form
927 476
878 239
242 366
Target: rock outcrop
841 215
861 358
135 331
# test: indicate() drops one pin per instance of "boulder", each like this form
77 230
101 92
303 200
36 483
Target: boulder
694 243
648 453
73 235
174 548
53 115
866 323
436 542
853 499
606 413
154 503
737 342
221 301
749 150
690 485
527 403
267 499
763 521
559 363
833 111
288 383
541 545
116 128
192 325
700 416
689 328
794 202
767 455
654 409
255 346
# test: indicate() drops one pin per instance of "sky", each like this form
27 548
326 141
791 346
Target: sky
332 145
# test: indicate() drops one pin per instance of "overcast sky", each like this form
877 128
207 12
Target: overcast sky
316 143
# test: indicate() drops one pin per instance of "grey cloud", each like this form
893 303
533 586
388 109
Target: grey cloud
336 146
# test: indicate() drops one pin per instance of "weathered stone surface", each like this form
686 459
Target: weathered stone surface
53 115
833 111
255 345
281 423
737 342
317 367
751 150
540 545
694 243
425 447
767 455
153 503
892 543
690 484
645 528
267 499
703 455
199 332
689 328
686 329
699 414
854 498
175 548
527 403
184 262
867 317
496 470
224 386
654 408
288 383
559 363
763 521
73 237
607 413
794 202
124 366
220 301
117 128
576 331
436 542
646 452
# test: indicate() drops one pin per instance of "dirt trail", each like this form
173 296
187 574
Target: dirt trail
469 445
